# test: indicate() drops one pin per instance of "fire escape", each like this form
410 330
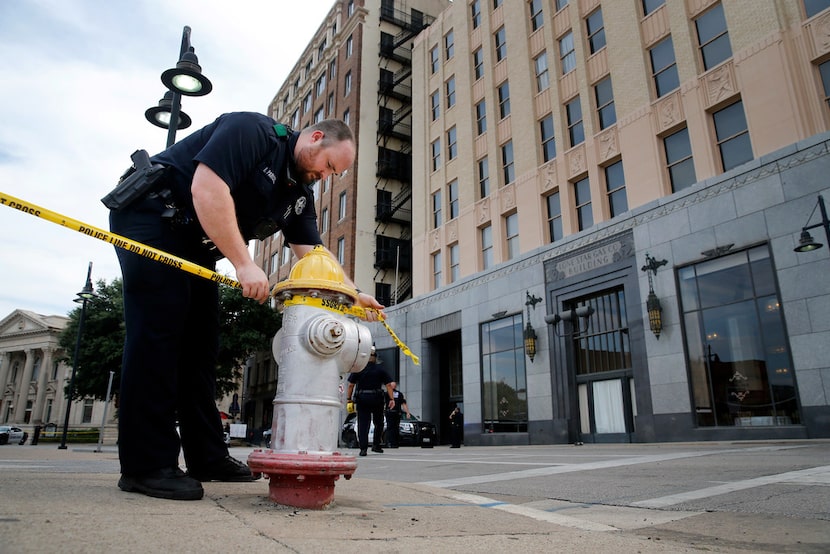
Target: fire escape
393 210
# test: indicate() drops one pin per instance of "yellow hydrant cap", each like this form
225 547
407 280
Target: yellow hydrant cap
316 270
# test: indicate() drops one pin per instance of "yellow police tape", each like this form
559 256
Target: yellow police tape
158 255
347 309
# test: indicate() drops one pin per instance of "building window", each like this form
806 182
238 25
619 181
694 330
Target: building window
481 117
341 251
347 117
503 376
511 235
350 8
307 103
349 46
347 84
449 44
320 86
435 105
504 99
436 270
596 31
554 216
604 95
812 7
713 37
540 63
548 144
582 198
452 198
560 4
331 105
733 135
567 55
537 19
451 92
576 132
436 154
332 70
486 234
86 416
483 178
501 44
285 254
739 358
663 67
651 5
478 63
324 221
341 211
275 262
497 4
475 13
455 256
679 160
434 59
824 72
615 185
319 115
452 144
509 171
437 219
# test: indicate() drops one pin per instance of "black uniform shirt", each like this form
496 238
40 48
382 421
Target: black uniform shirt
373 377
244 150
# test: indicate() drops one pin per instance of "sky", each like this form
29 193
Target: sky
77 77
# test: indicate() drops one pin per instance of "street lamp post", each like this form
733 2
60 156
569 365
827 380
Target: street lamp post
83 297
184 79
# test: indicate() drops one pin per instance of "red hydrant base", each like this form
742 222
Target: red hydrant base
302 480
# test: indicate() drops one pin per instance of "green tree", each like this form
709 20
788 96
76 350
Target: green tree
246 327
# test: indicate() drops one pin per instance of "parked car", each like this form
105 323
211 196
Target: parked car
9 434
412 432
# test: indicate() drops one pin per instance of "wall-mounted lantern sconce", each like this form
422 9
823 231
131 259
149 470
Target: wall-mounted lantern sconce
573 316
530 334
806 242
655 310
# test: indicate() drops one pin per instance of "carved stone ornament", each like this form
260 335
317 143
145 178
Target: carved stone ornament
608 146
720 84
669 112
452 231
549 176
483 210
577 161
508 197
436 240
821 34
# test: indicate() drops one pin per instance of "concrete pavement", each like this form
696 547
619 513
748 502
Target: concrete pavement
67 501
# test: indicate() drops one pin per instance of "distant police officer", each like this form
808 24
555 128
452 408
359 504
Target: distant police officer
244 176
374 392
393 417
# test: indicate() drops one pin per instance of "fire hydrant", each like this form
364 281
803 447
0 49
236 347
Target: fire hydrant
315 347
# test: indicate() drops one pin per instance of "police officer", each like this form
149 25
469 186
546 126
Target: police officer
393 417
374 392
243 176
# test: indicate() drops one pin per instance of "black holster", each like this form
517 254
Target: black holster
135 183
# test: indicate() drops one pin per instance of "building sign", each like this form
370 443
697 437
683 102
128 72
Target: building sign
600 255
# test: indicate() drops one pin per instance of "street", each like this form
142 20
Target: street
687 497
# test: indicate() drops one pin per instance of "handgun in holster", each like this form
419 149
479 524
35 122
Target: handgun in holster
135 182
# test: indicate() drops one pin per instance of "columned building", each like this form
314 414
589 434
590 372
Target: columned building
606 201
33 378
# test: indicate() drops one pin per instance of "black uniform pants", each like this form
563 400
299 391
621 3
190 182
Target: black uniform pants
369 408
172 338
393 427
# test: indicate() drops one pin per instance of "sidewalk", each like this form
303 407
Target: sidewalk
67 501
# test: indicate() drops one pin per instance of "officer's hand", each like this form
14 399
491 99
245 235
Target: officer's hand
254 282
368 301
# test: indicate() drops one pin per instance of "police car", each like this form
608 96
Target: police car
9 434
411 432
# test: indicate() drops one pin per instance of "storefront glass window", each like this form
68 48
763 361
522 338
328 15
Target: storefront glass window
503 376
739 359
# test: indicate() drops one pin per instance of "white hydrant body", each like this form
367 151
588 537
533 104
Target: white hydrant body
314 349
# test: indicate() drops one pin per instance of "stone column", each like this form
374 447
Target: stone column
5 364
23 389
45 372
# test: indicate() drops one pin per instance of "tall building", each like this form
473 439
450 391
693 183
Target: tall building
606 200
357 68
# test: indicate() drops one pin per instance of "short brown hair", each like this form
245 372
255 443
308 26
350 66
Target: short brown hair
334 130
